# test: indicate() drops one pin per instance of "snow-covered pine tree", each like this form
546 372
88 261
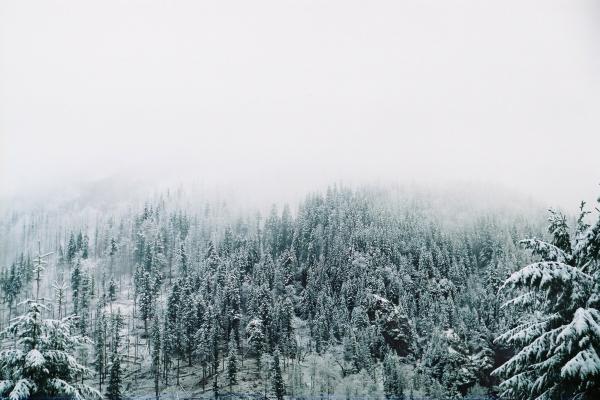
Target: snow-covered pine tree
155 336
85 247
173 346
71 248
278 384
203 350
393 385
232 367
166 359
558 335
256 339
76 278
100 344
214 340
85 292
113 391
11 282
42 362
147 282
182 259
117 324
232 303
188 316
112 291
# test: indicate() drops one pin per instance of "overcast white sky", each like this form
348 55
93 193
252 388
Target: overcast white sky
292 94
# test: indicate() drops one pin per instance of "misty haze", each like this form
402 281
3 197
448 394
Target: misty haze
284 200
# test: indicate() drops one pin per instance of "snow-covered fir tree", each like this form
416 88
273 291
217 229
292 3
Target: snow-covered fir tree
115 382
393 384
156 348
278 383
232 363
42 363
558 333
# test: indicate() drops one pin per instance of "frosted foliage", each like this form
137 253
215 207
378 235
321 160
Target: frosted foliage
184 293
546 250
562 286
558 338
41 363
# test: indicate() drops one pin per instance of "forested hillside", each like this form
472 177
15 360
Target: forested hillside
354 293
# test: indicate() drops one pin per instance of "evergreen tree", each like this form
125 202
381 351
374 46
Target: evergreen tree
112 291
117 324
79 241
183 260
113 247
173 333
256 339
188 320
113 391
232 367
278 384
558 334
76 278
11 281
85 247
393 386
71 249
85 293
42 363
147 281
100 344
111 253
156 346
214 341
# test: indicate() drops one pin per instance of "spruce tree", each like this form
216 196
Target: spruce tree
12 283
256 339
85 293
42 363
112 253
156 346
76 278
188 317
100 344
558 333
183 260
117 324
278 384
112 291
113 391
173 334
85 247
147 280
232 367
215 358
393 386
71 249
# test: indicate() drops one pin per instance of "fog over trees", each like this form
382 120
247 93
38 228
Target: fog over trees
386 292
296 199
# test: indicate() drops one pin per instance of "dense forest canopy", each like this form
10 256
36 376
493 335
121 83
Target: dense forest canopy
380 292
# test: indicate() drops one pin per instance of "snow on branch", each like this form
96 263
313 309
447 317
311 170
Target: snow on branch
546 274
547 251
